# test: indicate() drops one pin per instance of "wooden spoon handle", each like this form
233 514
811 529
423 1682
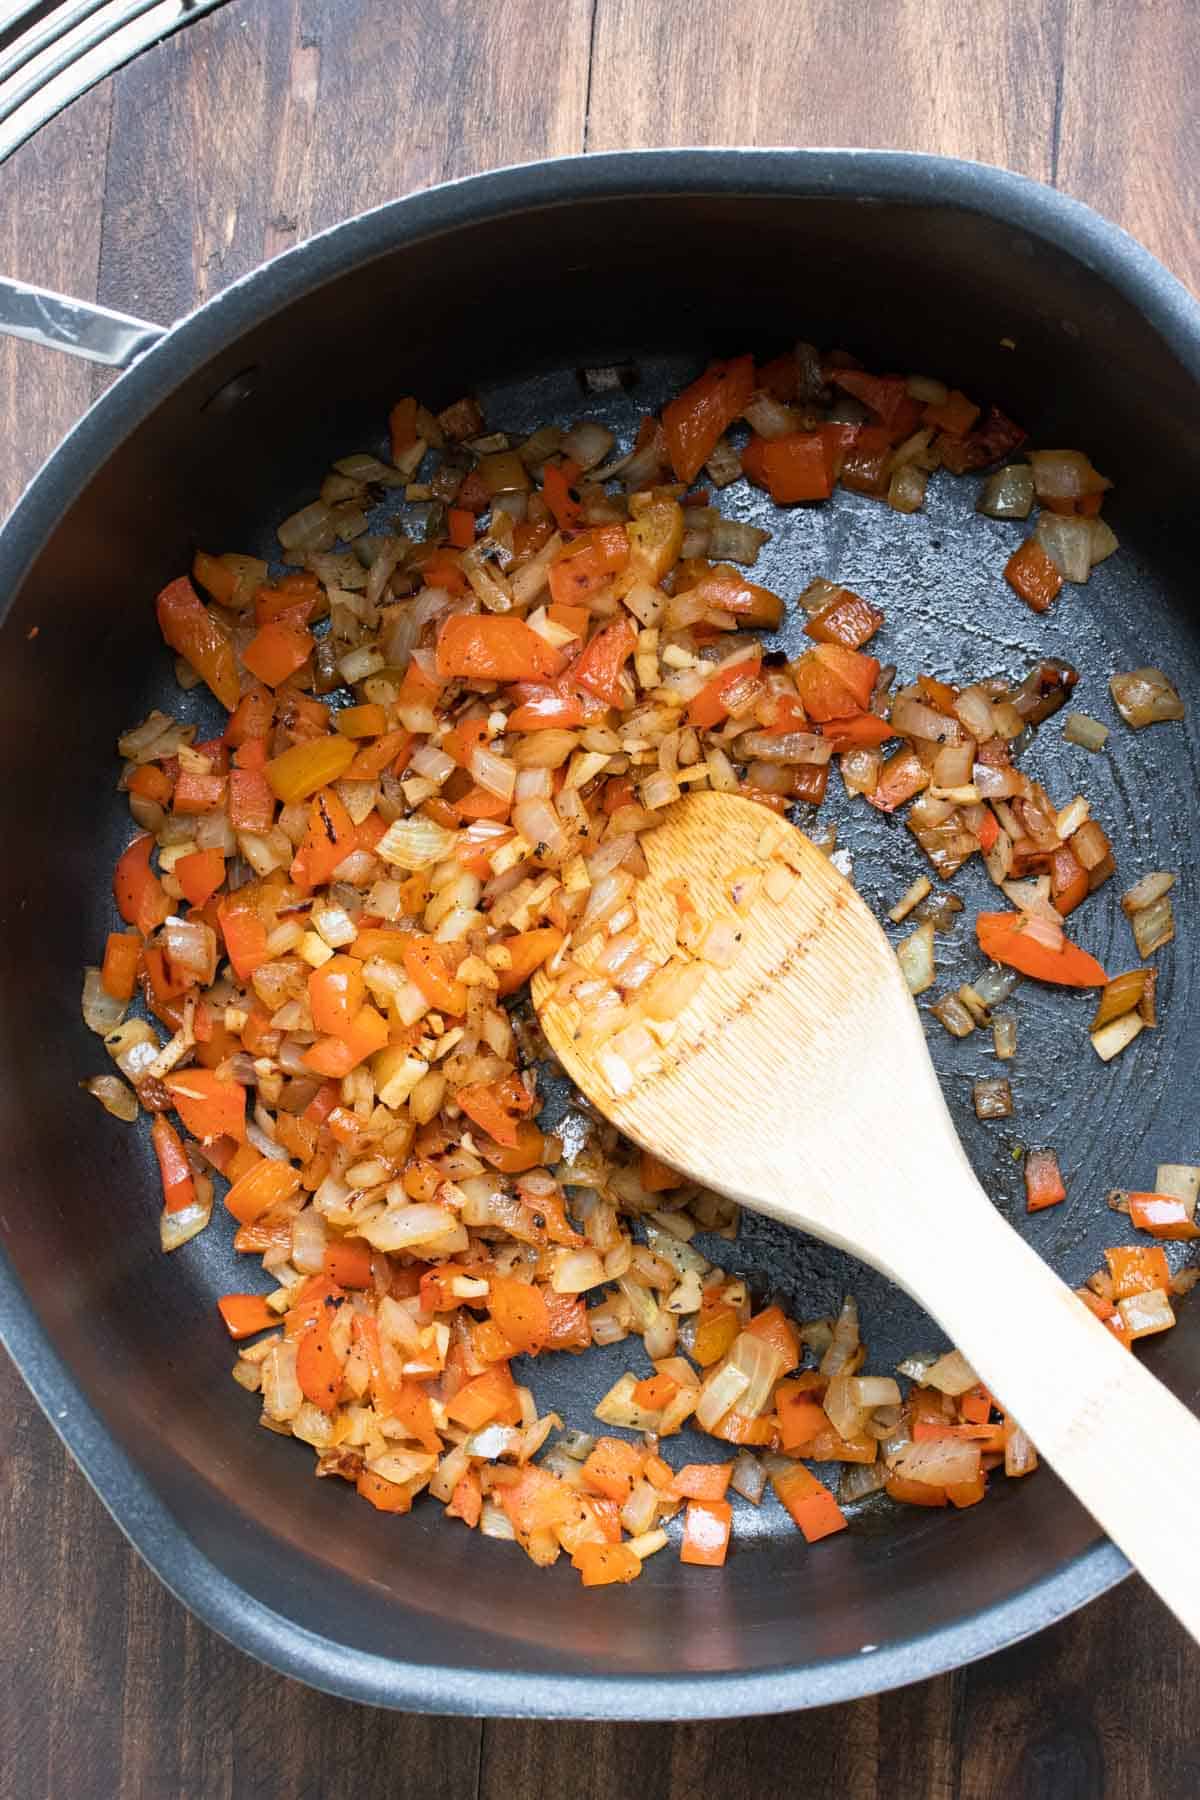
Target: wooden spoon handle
1128 1449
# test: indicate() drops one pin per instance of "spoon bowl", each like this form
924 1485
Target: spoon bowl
797 1080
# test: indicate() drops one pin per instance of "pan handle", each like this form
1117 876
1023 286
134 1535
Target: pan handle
76 326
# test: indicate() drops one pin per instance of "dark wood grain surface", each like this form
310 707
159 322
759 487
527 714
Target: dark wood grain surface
262 123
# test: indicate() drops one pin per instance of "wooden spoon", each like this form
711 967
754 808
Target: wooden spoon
798 1081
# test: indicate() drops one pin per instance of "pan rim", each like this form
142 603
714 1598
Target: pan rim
897 176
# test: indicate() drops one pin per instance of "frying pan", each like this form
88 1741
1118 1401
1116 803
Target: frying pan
510 284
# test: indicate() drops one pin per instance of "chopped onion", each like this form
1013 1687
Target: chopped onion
951 1374
1181 1181
858 1480
993 1099
311 528
494 1522
915 956
114 1096
939 1462
1117 1035
192 946
133 1046
1068 543
101 1012
1004 1036
404 1227
951 1013
748 1477
575 1271
1008 494
906 489
847 1416
1146 697
1088 733
721 1391
843 1348
176 1228
587 443
1153 926
787 747
912 718
1065 475
732 540
495 774
415 843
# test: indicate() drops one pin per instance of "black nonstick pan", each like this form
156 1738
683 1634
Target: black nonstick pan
510 284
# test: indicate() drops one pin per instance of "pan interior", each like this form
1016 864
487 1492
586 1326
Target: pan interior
515 307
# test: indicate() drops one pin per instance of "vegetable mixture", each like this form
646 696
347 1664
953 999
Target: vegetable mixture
437 761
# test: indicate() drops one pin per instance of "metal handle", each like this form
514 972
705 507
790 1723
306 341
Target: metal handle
50 53
81 329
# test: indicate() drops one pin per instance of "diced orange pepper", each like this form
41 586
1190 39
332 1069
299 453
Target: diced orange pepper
466 1502
774 1327
835 683
426 968
328 841
600 664
600 1564
318 1367
914 1493
152 783
1137 1269
141 898
528 1152
118 972
812 1507
200 875
708 707
495 1106
461 525
520 1311
702 1481
335 993
178 1183
557 481
792 468
1005 937
251 802
246 1314
1043 1181
1163 1216
209 1107
801 1419
657 1177
267 1183
336 1056
385 1496
694 421
588 564
612 1468
391 751
716 1329
277 650
655 1392
1031 574
369 720
849 620
348 1262
528 950
707 1527
298 772
491 1395
192 631
245 937
493 647
252 717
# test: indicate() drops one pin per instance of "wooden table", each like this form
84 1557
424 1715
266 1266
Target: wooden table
262 123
